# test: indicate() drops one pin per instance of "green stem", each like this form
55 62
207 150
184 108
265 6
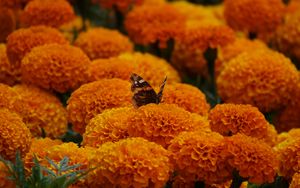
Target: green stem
237 180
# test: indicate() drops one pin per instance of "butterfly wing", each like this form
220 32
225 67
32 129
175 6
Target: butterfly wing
160 93
143 93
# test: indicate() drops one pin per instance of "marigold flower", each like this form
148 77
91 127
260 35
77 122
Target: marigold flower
8 23
186 96
257 16
287 37
150 24
263 78
232 50
161 123
288 155
21 41
4 174
292 7
251 158
288 136
95 97
231 119
9 74
10 99
131 162
109 126
96 43
56 152
55 67
197 157
43 111
45 12
14 135
151 68
295 183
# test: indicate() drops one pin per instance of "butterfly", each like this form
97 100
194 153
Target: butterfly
143 93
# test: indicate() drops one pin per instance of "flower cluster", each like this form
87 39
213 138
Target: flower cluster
42 111
95 97
161 123
55 67
131 162
45 12
14 135
109 126
96 44
154 24
198 157
262 78
21 41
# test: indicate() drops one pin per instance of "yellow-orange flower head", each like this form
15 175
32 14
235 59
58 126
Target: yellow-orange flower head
197 157
9 74
46 12
21 41
95 97
288 155
262 78
295 183
232 50
251 158
103 43
109 126
14 135
161 123
150 24
257 16
10 99
151 68
55 67
43 111
131 162
4 174
287 35
230 119
186 96
8 23
121 5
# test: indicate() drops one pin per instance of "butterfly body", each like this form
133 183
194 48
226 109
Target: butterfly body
143 93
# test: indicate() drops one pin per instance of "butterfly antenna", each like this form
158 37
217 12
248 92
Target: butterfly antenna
160 93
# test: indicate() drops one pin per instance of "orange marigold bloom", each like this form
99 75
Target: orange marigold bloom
231 119
109 126
21 41
161 123
95 97
186 96
8 23
43 111
295 183
197 157
9 74
288 155
288 136
56 152
131 162
150 24
232 50
45 12
55 67
287 37
4 174
103 43
292 7
257 16
10 99
251 158
14 135
152 68
263 78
